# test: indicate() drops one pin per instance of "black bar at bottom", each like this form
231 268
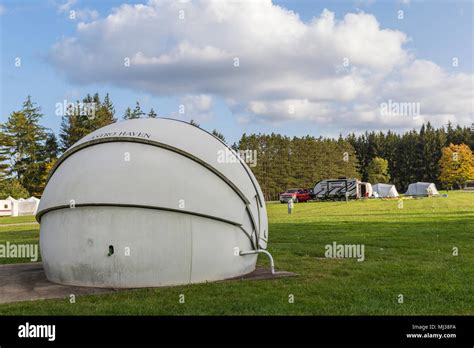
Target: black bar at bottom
413 330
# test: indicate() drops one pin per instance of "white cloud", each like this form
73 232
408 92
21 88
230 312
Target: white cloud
86 14
192 49
197 107
65 6
81 14
2 9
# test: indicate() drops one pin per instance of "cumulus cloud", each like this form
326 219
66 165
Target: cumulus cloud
65 6
267 63
195 107
81 14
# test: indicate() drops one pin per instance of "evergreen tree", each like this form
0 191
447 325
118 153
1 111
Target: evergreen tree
5 144
85 117
108 105
218 135
51 148
104 114
152 114
194 123
137 112
74 125
23 140
128 115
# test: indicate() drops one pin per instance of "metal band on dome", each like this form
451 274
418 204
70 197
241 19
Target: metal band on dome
231 149
140 206
93 142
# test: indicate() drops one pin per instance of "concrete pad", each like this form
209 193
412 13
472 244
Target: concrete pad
27 282
261 273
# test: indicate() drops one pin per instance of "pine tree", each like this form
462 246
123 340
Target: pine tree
104 115
218 135
194 123
137 112
108 105
128 115
74 127
51 148
31 112
5 144
152 114
83 118
23 140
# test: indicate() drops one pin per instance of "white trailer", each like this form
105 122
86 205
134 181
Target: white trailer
6 207
340 189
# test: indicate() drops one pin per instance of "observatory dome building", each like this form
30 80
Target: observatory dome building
150 202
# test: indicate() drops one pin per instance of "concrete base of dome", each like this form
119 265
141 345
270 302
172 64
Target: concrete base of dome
124 247
27 282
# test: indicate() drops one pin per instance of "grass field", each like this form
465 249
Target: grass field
16 220
408 251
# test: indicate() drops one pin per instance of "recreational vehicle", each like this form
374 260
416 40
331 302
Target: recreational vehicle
340 189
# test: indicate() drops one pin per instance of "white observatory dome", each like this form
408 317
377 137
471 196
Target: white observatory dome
150 202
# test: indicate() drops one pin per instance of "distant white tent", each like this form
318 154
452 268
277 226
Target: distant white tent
33 199
28 206
384 191
14 205
19 207
422 189
5 207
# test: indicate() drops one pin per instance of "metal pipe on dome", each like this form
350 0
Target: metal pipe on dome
262 251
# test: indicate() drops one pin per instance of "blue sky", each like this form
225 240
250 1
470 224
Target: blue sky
436 31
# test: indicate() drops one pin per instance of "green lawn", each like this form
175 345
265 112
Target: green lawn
16 220
21 234
408 251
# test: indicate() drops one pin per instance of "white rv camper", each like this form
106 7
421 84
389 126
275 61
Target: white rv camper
339 189
5 207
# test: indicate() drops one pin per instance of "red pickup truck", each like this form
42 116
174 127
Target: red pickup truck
298 195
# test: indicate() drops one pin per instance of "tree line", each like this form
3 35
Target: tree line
28 151
412 156
441 155
284 162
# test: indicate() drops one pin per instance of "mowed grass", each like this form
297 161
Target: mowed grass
19 234
408 252
4 220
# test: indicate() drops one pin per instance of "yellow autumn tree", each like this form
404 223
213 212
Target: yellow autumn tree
44 177
456 165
